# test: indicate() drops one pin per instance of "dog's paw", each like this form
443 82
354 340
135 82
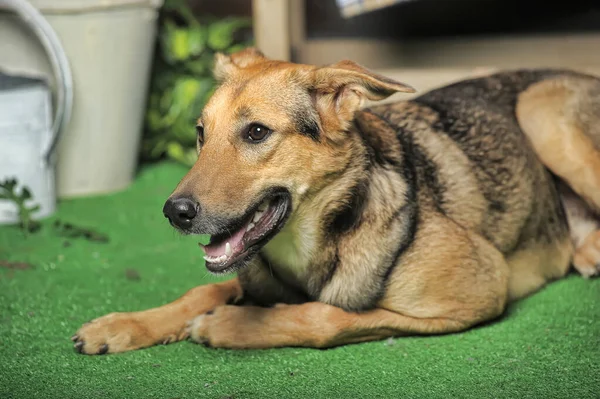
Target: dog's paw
218 328
115 332
587 257
198 328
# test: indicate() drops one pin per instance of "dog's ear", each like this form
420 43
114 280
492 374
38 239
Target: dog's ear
346 85
226 65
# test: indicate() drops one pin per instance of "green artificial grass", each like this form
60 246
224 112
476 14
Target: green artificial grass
546 346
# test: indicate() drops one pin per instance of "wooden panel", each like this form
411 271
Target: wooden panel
368 52
297 27
508 51
505 52
271 27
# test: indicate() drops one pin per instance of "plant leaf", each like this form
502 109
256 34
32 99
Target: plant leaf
197 37
25 193
174 43
221 33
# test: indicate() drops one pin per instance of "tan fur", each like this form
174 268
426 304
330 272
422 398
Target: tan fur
587 256
552 114
470 280
532 267
401 223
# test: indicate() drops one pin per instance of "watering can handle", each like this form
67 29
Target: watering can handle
60 66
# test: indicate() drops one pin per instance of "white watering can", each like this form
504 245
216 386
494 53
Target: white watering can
29 132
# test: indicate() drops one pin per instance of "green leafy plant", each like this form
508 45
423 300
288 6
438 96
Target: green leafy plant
8 191
182 78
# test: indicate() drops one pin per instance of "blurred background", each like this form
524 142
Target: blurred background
92 90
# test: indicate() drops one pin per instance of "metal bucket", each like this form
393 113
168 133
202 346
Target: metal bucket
28 133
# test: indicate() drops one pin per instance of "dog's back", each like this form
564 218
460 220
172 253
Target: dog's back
475 164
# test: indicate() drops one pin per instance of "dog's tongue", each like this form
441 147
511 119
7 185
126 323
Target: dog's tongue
235 241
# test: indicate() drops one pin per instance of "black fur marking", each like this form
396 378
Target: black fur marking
333 266
496 205
409 238
248 299
348 216
417 168
561 211
306 121
375 156
486 156
376 147
308 126
407 169
409 173
412 210
427 172
293 289
446 123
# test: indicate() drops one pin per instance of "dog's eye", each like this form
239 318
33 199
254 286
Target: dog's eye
200 133
256 133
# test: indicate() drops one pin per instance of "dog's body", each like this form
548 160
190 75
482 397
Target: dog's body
424 216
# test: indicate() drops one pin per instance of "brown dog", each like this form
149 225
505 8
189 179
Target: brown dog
420 217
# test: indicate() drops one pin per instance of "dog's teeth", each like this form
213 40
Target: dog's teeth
228 250
214 259
221 258
250 226
263 206
257 216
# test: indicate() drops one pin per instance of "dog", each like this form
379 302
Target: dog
346 224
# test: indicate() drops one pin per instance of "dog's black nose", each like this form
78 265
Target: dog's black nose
180 211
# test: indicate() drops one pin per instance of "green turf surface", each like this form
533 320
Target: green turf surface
547 346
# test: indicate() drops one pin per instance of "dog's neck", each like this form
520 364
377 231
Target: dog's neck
356 194
295 247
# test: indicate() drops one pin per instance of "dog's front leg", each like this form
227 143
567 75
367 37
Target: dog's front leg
312 324
120 332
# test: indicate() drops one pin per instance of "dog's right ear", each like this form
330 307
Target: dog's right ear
227 65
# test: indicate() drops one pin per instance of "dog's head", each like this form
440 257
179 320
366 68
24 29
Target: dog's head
271 136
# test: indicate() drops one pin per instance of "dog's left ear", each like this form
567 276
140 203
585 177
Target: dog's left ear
346 85
226 65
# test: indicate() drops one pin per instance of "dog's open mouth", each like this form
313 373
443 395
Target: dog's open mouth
229 250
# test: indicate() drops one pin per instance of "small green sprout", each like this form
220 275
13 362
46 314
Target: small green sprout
8 191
